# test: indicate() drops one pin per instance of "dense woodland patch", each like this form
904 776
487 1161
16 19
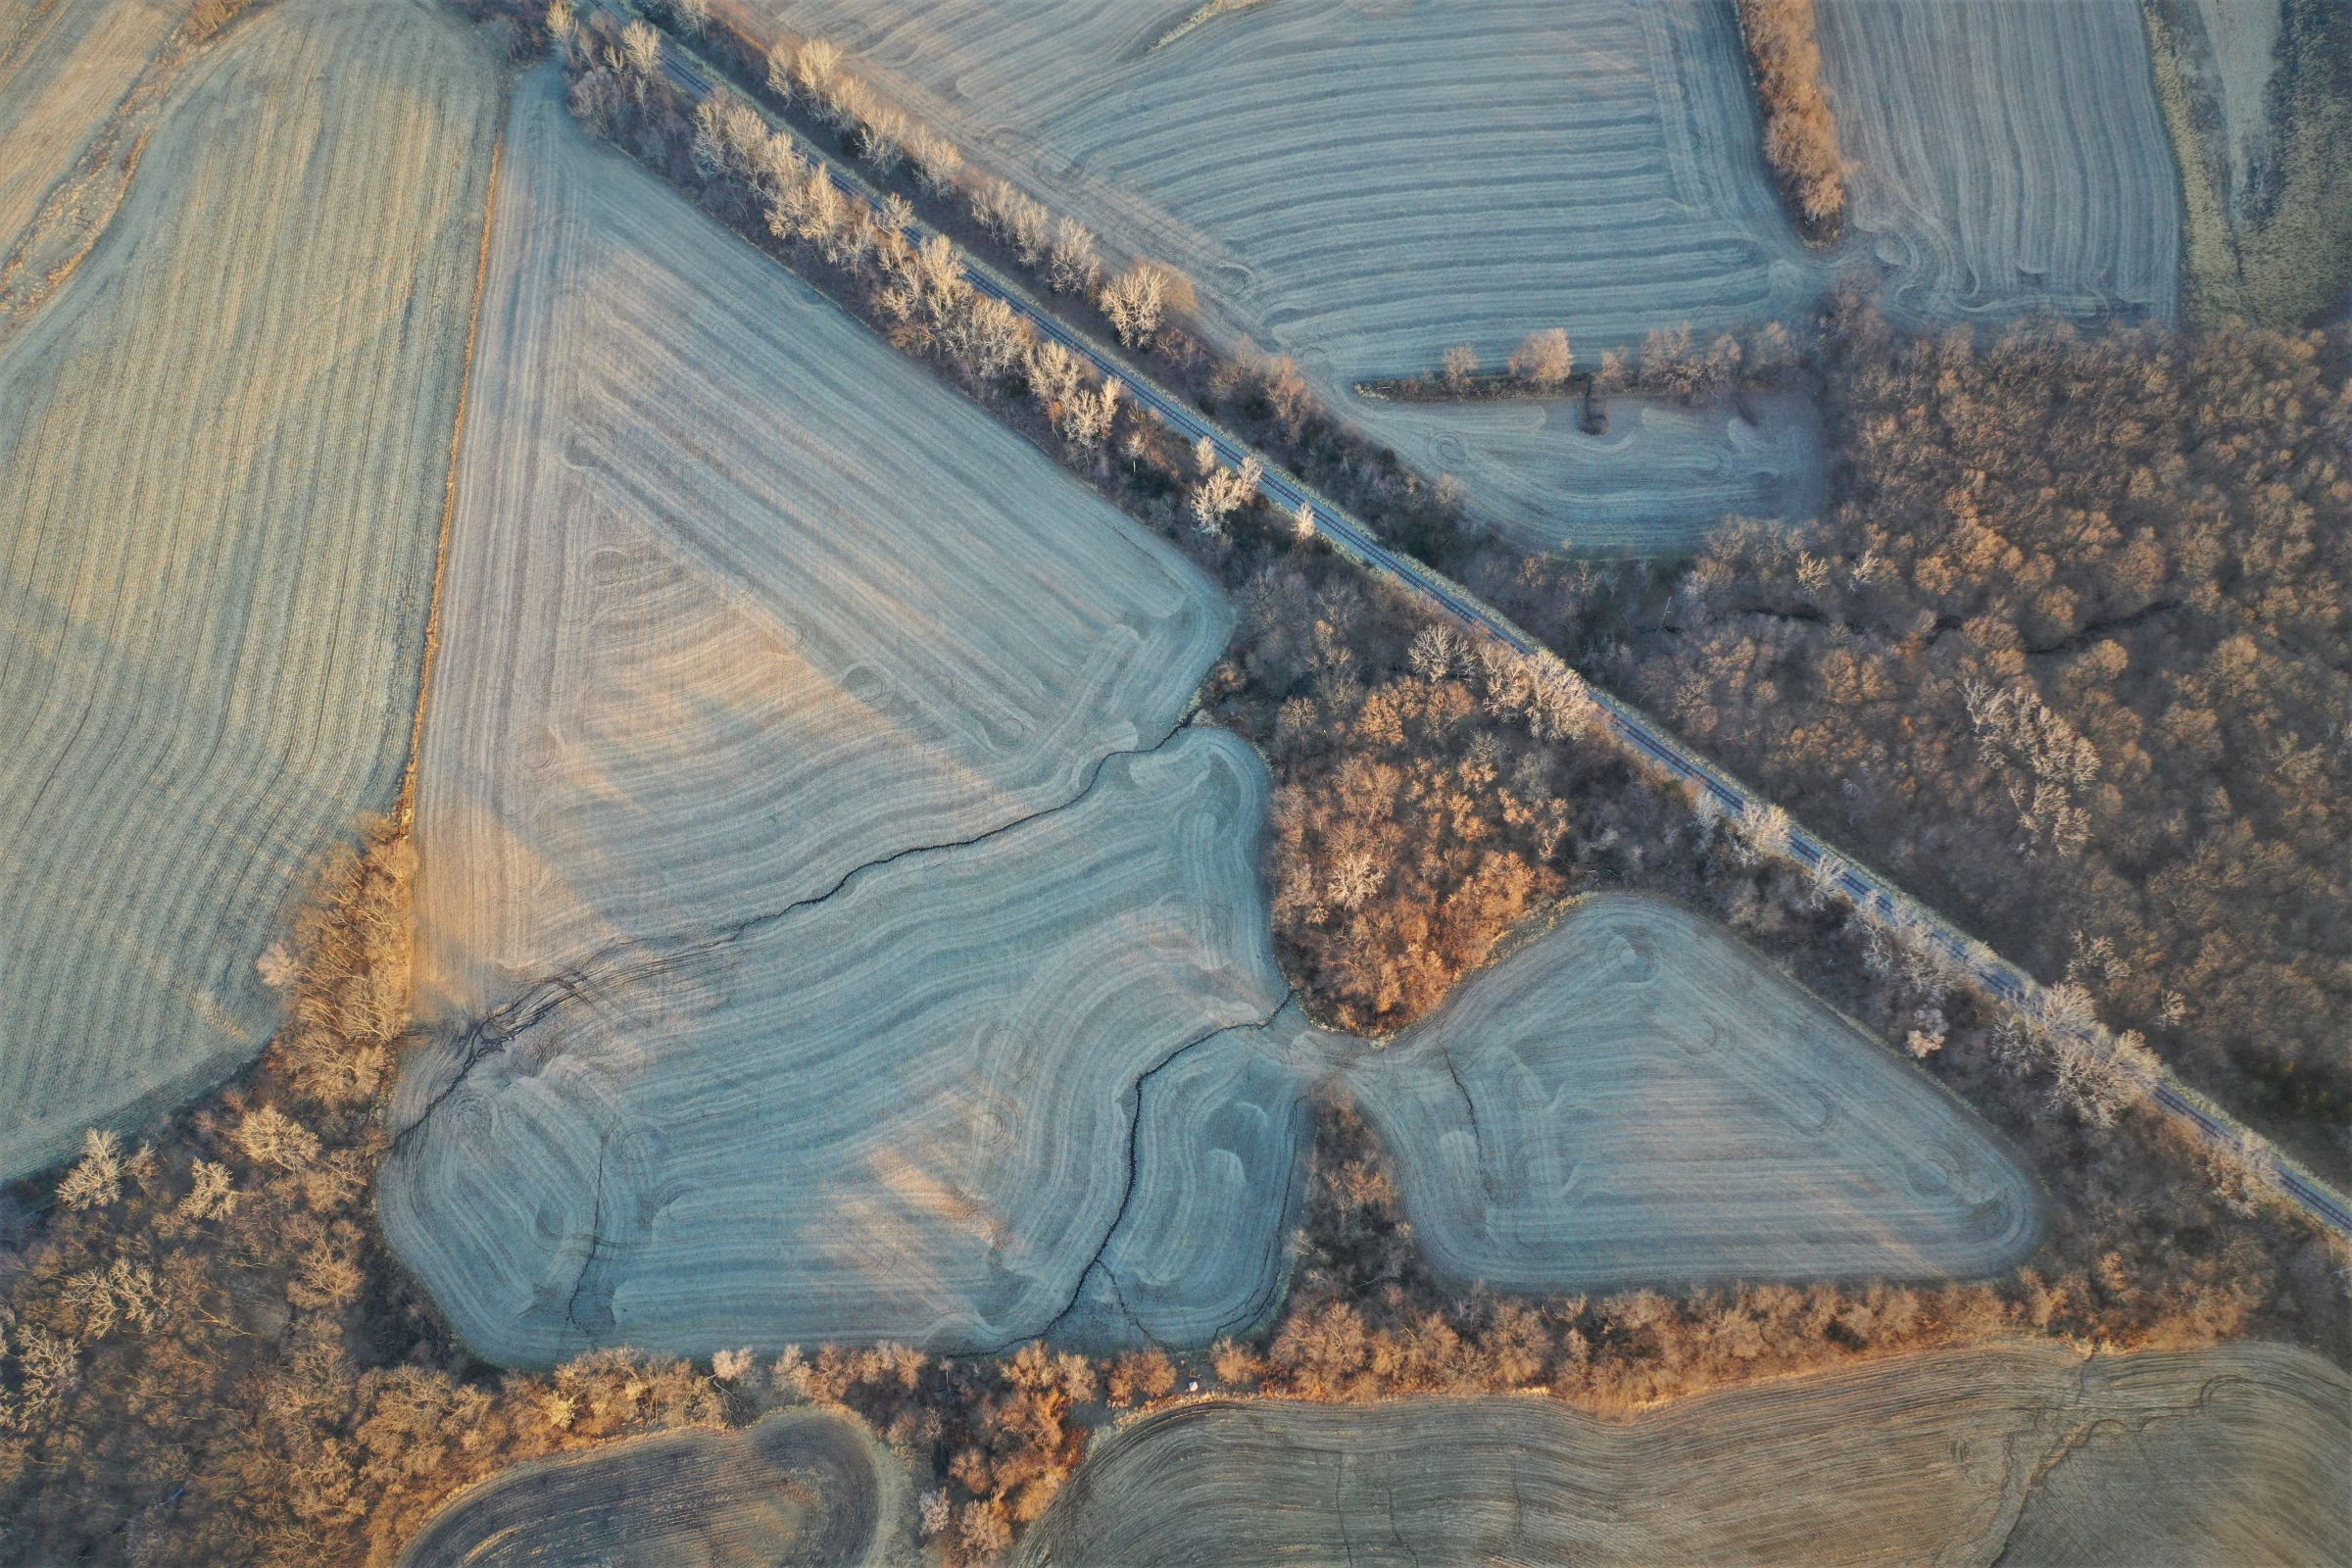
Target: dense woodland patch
2065 657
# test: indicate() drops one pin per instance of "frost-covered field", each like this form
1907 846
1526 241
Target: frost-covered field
800 1486
904 1113
1365 186
224 446
1636 1098
801 793
2239 1454
1658 480
739 599
2006 155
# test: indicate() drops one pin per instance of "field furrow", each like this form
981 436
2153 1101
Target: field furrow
2006 155
798 1489
2239 1454
812 865
1636 1099
222 450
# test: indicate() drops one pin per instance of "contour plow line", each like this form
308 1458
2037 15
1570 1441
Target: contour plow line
1872 893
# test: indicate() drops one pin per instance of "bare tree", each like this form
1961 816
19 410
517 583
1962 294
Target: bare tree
1087 416
1222 491
779 70
1543 360
97 1179
1460 366
813 67
1053 373
1014 217
641 50
936 161
1071 259
691 16
1135 301
1764 830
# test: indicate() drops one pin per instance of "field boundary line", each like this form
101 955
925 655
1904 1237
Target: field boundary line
405 811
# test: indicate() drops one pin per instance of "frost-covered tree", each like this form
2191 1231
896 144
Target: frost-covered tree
1544 360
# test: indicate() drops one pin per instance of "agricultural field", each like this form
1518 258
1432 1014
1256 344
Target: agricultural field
2024 1454
801 1489
2006 158
224 447
70 109
1364 186
1218 1186
1635 1098
737 599
905 1112
814 867
1654 482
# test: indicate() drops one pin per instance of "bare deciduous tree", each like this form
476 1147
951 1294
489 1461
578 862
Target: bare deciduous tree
816 71
936 161
1459 364
779 70
1544 360
1014 217
1073 264
1221 491
641 50
1135 301
1087 416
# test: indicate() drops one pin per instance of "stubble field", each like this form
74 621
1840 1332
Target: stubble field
1365 186
2006 156
1656 481
65 69
2023 1455
1635 1099
223 452
813 869
801 1489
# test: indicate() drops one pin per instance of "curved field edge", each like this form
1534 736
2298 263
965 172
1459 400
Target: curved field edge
905 1113
721 1497
216 579
1960 1448
2006 157
1633 1096
624 801
68 71
737 599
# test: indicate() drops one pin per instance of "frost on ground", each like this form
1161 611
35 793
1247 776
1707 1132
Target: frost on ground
738 599
815 874
2007 155
1658 480
2022 1454
1365 186
798 1486
1636 1098
223 452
